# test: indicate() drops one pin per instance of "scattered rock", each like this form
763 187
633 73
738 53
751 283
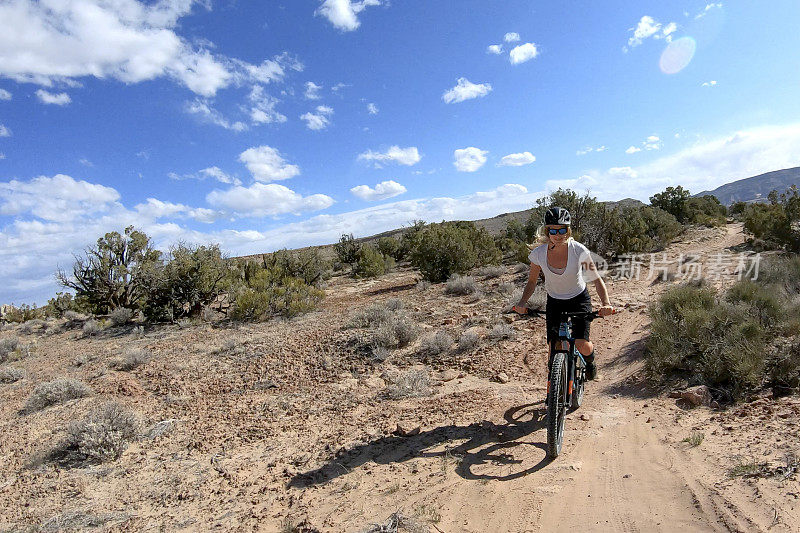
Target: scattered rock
375 383
407 429
447 321
161 428
265 385
626 476
509 318
502 377
585 417
699 395
448 375
675 394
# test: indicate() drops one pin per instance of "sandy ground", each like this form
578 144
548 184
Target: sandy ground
285 426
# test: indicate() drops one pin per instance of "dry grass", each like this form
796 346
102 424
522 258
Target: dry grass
54 392
411 383
131 359
490 271
36 325
501 331
396 333
91 327
461 285
373 315
436 343
468 341
398 522
10 374
8 346
423 285
120 316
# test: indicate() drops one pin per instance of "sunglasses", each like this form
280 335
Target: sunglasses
559 231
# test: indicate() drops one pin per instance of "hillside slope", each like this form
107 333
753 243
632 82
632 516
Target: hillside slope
756 188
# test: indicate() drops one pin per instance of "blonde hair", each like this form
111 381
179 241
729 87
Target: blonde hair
542 237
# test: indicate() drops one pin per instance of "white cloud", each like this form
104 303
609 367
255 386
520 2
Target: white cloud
343 13
522 53
85 162
704 166
708 8
652 143
266 199
469 159
156 209
53 98
382 191
203 109
649 27
466 90
495 49
5 95
320 119
214 173
511 37
266 164
402 156
517 160
711 83
4 131
632 150
2 156
588 149
60 198
312 90
262 110
372 109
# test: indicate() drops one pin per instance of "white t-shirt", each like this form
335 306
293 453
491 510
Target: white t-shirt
571 282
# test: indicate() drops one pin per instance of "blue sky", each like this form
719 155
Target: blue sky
261 125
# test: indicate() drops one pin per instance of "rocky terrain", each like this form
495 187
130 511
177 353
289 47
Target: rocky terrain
301 425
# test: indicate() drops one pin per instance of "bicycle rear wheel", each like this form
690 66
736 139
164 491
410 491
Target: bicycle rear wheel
556 405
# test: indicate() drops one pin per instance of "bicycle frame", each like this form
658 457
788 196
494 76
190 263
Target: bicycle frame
575 361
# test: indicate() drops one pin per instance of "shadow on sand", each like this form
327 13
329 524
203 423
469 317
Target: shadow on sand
485 443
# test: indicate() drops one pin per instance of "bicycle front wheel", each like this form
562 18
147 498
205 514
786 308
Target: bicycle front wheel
556 405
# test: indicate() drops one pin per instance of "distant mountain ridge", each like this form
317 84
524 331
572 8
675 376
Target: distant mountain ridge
756 188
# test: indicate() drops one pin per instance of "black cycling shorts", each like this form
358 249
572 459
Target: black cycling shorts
555 306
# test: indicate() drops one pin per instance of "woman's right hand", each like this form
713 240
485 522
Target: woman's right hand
520 309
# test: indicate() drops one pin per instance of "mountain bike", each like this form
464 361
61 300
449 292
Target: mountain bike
566 377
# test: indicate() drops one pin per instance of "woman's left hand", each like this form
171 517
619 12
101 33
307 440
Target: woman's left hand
605 311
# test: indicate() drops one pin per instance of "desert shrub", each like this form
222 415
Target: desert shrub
423 285
776 224
705 210
397 332
411 383
718 341
672 200
24 313
516 231
307 265
410 238
398 522
111 274
64 302
781 272
391 247
736 209
102 436
9 374
452 248
120 316
501 331
189 279
371 263
91 327
269 294
783 367
73 316
461 285
30 326
436 343
638 230
54 392
8 346
394 304
347 249
468 340
490 271
373 315
131 359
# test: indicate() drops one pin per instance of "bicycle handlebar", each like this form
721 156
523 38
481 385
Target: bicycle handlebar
589 315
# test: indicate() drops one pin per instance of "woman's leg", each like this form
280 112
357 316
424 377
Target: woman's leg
584 346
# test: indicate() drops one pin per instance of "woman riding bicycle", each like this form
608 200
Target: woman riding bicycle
566 265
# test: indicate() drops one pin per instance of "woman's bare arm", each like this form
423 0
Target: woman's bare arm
533 276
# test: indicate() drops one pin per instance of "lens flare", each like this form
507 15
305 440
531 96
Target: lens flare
677 55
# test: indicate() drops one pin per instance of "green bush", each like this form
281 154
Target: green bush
371 263
102 436
777 223
705 210
410 237
707 340
54 392
269 293
190 279
391 247
347 249
673 201
452 248
23 313
307 264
